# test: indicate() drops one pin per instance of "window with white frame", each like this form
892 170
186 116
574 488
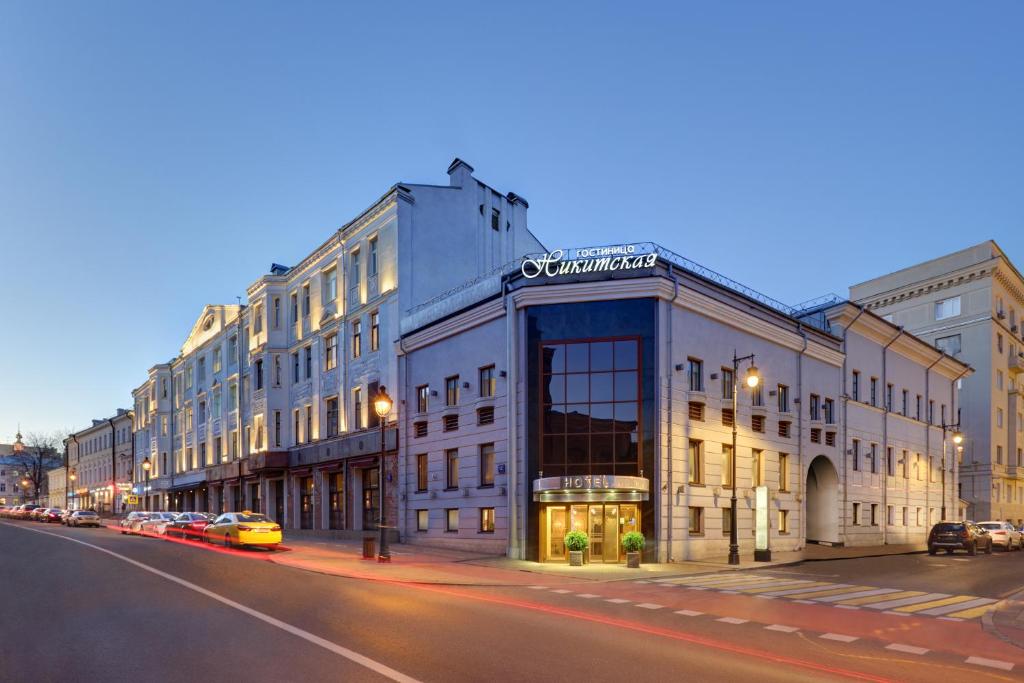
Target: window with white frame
947 308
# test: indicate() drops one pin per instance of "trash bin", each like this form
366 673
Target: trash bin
369 547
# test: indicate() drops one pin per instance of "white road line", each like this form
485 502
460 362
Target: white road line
689 613
950 618
897 614
838 636
588 595
806 602
648 605
561 591
729 592
616 601
811 589
538 588
858 594
641 581
946 609
909 649
765 597
780 627
926 597
695 588
348 654
732 620
846 606
993 663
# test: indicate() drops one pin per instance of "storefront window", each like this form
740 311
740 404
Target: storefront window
591 407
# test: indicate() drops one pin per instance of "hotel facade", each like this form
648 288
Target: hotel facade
539 392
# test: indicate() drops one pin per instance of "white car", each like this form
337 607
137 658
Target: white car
84 518
1004 535
156 524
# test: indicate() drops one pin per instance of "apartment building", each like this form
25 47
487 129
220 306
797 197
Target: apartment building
100 459
268 405
592 389
969 305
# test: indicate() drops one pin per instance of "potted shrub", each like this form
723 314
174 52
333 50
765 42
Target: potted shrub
577 542
633 543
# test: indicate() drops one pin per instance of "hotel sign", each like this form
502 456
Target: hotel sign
588 260
591 486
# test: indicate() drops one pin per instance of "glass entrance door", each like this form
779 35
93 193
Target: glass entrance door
603 524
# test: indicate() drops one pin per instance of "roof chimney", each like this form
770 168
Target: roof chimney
459 172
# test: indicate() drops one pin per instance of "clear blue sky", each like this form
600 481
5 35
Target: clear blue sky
155 159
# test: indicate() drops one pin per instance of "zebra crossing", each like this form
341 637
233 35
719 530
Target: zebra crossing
842 595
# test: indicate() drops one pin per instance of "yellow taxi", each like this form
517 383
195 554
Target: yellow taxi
244 529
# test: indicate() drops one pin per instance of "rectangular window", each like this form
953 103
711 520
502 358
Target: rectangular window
906 404
949 345
727 465
999 379
487 381
419 429
855 452
309 423
330 352
917 408
830 438
816 435
728 417
783 521
999 455
295 307
756 467
783 398
874 514
277 312
258 374
450 422
495 219
856 514
696 411
357 407
422 393
890 462
830 411
355 276
451 391
305 300
931 412
295 367
890 515
856 385
422 520
216 365
815 407
727 383
874 391
874 458
451 459
783 471
696 461
421 472
888 397
451 520
257 322
485 415
297 433
331 416
784 428
487 520
696 374
757 423
487 464
726 522
947 308
757 395
309 362
696 521
375 331
277 431
372 265
357 339
329 285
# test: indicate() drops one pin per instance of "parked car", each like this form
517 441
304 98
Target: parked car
244 529
66 516
132 524
950 536
156 523
84 518
26 511
1004 535
189 525
37 514
51 515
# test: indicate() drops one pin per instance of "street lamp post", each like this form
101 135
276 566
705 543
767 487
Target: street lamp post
752 381
382 405
958 438
145 468
72 475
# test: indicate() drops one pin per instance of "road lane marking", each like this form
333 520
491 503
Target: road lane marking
732 620
689 613
588 595
976 602
921 606
722 580
648 605
802 589
774 586
538 588
992 663
820 593
909 649
351 655
858 594
781 628
846 607
616 601
879 598
561 591
839 636
920 597
973 613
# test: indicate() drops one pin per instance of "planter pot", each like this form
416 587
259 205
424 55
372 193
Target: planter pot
633 560
575 558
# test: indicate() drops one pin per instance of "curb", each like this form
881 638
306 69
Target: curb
988 620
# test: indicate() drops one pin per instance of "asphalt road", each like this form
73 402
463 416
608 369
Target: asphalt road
92 605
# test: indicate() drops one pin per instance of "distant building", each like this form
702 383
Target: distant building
970 305
94 455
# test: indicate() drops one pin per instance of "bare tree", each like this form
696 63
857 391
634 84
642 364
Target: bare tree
41 453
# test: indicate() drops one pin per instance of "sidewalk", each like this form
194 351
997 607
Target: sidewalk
418 564
1006 621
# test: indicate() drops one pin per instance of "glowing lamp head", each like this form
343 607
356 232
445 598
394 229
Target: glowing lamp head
753 378
958 437
72 475
382 402
146 464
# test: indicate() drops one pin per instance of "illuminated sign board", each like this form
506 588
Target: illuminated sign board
588 260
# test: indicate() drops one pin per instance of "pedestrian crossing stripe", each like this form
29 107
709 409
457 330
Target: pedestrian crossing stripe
825 593
972 613
775 586
718 580
921 606
878 598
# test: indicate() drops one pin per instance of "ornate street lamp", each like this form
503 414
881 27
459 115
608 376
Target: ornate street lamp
958 438
146 465
382 406
72 475
753 379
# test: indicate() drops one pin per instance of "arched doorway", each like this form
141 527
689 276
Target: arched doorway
822 502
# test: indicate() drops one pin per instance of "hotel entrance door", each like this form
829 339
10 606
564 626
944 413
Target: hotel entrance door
604 525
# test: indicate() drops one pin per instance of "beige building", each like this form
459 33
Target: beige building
968 304
100 458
